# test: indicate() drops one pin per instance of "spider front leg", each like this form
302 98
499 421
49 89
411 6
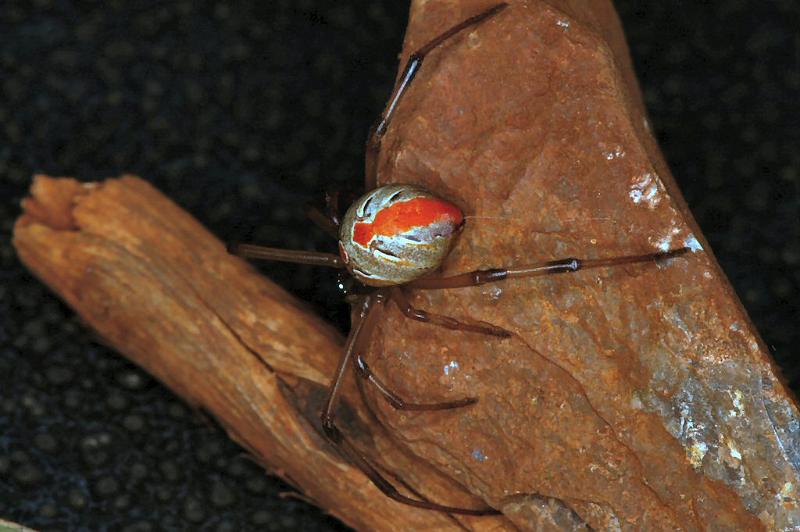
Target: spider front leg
401 300
395 400
359 334
314 258
410 70
327 221
481 327
330 219
364 371
536 269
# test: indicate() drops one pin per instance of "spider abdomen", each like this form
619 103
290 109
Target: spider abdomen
397 233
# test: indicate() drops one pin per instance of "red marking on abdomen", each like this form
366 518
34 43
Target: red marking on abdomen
404 216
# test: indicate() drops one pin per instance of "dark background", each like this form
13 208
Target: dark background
242 112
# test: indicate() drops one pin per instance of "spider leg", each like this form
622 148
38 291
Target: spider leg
337 201
395 400
409 71
332 200
356 458
400 298
329 224
315 258
363 369
330 219
537 269
355 341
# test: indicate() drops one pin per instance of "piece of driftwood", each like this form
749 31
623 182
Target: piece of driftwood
629 398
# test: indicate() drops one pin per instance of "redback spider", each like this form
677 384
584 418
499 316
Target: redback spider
393 239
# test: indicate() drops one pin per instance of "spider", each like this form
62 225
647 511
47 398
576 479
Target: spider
393 239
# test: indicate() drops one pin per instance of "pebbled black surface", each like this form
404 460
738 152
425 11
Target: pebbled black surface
241 112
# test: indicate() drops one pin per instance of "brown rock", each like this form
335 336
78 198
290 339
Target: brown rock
639 397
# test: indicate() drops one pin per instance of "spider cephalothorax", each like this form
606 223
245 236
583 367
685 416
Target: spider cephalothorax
397 233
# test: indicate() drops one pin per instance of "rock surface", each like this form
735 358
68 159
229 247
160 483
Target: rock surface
636 397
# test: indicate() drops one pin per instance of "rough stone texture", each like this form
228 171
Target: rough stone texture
640 397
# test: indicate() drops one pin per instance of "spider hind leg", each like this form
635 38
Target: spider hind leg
364 323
